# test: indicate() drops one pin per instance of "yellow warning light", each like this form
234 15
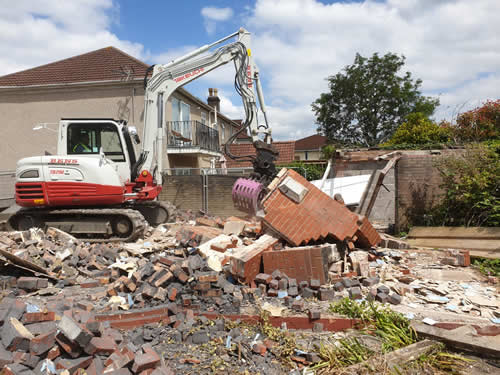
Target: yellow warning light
39 201
144 173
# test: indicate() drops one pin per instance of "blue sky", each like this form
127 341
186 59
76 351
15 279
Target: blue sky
452 45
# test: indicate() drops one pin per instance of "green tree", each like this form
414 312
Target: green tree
418 130
368 100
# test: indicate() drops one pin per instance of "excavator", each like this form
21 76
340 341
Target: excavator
97 188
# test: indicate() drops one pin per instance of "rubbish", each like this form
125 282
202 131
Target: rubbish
429 321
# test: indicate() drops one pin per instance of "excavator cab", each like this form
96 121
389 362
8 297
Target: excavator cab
87 137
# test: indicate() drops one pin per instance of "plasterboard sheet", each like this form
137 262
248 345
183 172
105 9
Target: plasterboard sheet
351 188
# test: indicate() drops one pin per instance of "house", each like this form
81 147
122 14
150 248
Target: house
106 83
285 148
309 148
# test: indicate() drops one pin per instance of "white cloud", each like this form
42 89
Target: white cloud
299 43
33 33
212 15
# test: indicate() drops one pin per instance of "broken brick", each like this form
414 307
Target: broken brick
246 261
37 317
42 343
101 345
263 278
15 336
147 360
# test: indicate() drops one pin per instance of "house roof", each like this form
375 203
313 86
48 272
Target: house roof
105 64
313 142
242 135
286 153
102 65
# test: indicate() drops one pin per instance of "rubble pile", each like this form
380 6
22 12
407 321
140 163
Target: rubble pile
192 296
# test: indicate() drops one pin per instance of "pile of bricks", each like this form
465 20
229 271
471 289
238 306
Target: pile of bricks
49 342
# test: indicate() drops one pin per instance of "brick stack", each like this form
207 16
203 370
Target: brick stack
316 218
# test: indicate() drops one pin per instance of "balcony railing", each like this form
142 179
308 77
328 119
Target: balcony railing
192 134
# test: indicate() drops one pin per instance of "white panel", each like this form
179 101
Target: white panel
351 188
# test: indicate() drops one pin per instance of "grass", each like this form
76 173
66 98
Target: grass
395 332
437 361
390 326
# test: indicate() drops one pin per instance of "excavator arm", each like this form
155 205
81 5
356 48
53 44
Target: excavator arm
165 79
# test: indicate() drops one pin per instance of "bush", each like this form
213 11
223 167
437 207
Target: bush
417 131
471 184
309 171
479 124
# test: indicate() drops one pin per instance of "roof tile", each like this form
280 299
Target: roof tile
313 142
105 64
286 153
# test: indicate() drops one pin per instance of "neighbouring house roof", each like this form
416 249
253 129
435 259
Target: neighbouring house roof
286 153
242 135
105 64
313 142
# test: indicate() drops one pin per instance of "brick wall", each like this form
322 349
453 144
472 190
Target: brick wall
186 192
220 201
417 184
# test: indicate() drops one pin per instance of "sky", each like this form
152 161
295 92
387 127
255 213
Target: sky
452 45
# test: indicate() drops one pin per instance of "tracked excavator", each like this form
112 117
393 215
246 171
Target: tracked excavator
98 189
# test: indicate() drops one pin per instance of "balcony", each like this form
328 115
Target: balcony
191 136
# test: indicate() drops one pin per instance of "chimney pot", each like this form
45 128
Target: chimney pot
213 99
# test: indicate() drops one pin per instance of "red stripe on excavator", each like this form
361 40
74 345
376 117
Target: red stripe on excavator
59 193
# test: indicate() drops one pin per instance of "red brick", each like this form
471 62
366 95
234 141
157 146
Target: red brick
39 317
71 348
259 348
211 293
90 284
42 343
73 364
302 263
208 277
54 353
101 345
118 359
246 261
206 222
148 360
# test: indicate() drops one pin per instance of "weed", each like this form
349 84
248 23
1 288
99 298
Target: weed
436 361
489 267
392 327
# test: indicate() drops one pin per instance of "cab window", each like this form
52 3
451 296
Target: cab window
88 138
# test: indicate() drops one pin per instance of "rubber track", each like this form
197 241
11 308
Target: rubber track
155 204
138 221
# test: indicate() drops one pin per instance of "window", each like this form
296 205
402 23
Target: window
222 132
204 118
88 138
181 115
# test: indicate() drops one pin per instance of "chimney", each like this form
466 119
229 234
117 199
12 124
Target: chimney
213 99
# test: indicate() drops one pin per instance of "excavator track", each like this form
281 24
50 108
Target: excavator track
155 212
90 224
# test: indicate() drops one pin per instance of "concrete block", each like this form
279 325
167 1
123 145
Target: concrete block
293 189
